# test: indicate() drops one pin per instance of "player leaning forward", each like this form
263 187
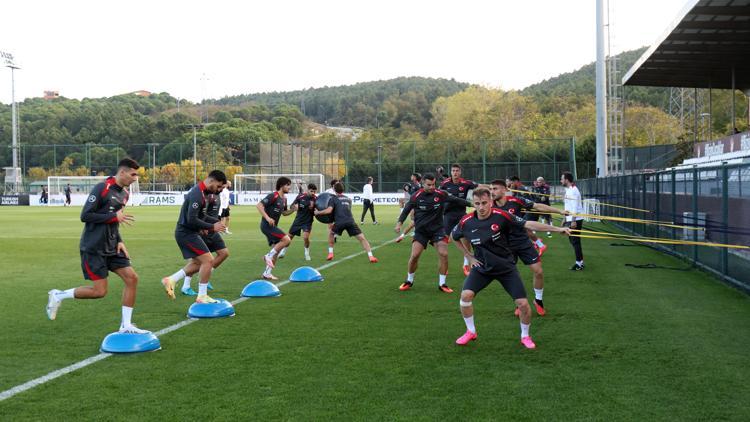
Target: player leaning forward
102 248
194 223
487 230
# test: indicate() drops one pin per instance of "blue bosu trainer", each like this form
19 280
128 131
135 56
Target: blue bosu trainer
220 309
303 274
130 343
261 288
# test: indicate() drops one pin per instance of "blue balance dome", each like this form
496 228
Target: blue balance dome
130 343
220 309
261 288
303 274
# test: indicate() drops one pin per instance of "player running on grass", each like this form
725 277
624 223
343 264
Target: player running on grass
271 208
102 248
410 188
214 242
304 203
518 239
458 187
428 204
192 225
343 220
487 229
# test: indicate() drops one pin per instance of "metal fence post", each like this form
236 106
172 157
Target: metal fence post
725 217
414 156
674 203
646 229
484 161
346 166
695 212
657 197
573 164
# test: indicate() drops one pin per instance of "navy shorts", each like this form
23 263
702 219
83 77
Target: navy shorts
97 267
214 242
526 252
191 244
427 237
510 279
451 219
273 233
297 229
351 228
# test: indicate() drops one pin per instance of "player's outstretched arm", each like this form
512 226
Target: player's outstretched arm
537 226
549 209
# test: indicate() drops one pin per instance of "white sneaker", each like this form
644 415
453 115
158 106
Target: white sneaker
132 329
307 258
227 231
53 303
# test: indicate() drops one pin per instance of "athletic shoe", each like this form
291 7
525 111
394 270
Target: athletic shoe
467 270
576 267
374 223
528 342
539 305
53 303
188 291
400 238
205 299
361 223
406 285
307 258
583 265
132 329
517 312
227 231
210 286
269 261
168 284
269 277
373 259
445 289
541 250
330 256
466 338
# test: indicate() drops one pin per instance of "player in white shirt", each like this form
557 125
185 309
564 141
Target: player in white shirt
367 202
574 205
224 206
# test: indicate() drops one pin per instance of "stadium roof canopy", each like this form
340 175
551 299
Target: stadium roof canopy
700 49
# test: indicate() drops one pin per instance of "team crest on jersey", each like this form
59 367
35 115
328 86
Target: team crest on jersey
92 198
495 227
461 188
195 205
437 199
512 211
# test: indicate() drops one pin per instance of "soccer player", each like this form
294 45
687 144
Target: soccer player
331 234
410 188
518 239
343 220
428 204
192 225
542 191
68 191
487 230
573 205
213 241
224 199
367 202
458 187
102 248
271 208
523 192
304 203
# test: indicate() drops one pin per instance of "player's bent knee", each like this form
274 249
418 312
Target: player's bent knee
467 296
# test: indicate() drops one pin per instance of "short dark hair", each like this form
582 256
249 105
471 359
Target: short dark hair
417 176
311 186
334 181
282 181
481 191
498 182
568 176
338 187
515 179
457 166
128 163
428 176
218 175
369 180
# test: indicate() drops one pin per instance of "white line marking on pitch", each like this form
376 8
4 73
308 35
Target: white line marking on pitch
96 358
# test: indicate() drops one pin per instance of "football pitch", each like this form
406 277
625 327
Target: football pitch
617 343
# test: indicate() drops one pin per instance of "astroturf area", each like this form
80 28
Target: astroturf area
618 343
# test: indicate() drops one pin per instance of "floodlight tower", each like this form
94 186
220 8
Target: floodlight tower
601 101
15 179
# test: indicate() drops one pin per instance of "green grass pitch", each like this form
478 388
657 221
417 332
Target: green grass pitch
618 343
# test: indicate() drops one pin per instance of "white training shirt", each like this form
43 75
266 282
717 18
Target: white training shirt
224 200
573 202
367 192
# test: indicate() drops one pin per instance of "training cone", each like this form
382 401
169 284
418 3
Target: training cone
130 343
220 309
261 288
303 274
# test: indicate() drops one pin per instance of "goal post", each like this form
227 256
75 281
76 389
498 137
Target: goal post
250 188
80 187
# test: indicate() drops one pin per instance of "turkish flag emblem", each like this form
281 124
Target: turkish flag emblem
461 188
495 227
437 199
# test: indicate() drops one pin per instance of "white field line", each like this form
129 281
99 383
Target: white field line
96 358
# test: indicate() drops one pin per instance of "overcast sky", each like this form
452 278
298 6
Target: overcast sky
104 48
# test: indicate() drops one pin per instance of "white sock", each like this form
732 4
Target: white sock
186 282
127 314
540 243
330 249
272 252
538 293
369 253
307 251
66 294
282 252
442 279
466 261
525 330
470 324
202 289
267 271
410 277
178 275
